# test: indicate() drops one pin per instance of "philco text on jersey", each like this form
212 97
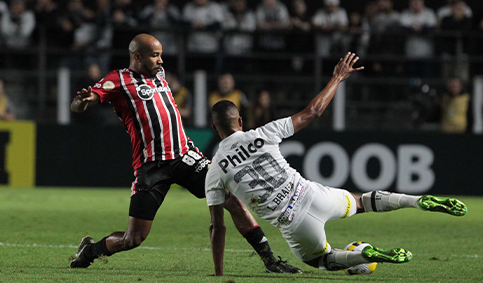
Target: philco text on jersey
242 153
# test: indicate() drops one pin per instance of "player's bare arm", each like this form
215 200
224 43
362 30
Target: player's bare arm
317 106
217 236
85 98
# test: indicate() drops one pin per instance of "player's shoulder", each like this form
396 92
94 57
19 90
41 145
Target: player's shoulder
214 170
276 130
276 125
108 84
218 155
111 76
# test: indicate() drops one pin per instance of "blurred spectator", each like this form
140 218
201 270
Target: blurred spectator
49 15
386 22
447 10
387 19
457 20
6 112
77 21
98 51
262 111
455 104
3 11
333 21
477 43
272 15
355 32
299 16
95 115
371 11
17 25
238 18
162 15
205 18
3 7
419 20
300 41
48 25
451 46
92 75
124 13
182 98
123 18
46 12
103 7
386 38
226 91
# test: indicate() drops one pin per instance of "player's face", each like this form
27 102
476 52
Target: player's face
226 83
455 87
151 61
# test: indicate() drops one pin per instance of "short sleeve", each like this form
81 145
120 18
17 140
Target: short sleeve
284 15
108 86
405 19
214 188
276 130
218 13
431 20
344 19
318 19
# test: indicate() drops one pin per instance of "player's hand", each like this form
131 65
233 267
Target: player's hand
345 66
86 95
83 99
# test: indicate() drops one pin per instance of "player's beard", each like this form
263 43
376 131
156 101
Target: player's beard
151 71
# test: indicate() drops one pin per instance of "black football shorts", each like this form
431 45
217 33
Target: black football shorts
153 180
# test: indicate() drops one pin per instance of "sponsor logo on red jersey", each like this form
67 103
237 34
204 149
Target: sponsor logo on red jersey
148 111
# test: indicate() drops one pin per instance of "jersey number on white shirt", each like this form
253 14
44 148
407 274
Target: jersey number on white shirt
261 177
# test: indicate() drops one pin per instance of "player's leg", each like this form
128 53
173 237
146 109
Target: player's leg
339 259
248 227
148 192
308 240
191 174
142 210
382 201
135 233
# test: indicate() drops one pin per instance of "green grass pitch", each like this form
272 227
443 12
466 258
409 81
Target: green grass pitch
40 229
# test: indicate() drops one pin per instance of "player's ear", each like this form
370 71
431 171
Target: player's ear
137 56
240 122
214 128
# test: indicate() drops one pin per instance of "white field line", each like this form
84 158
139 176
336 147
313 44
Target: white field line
143 248
168 249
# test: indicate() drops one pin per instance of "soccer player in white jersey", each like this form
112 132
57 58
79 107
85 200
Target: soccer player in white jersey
250 166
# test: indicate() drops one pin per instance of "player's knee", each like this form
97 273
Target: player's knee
358 199
314 262
134 241
326 262
233 205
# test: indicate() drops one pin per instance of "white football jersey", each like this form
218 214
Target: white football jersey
250 165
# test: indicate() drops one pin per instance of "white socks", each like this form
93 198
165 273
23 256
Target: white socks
338 260
381 201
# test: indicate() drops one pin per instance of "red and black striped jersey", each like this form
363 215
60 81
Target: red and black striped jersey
147 109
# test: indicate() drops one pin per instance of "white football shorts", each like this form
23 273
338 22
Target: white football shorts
307 239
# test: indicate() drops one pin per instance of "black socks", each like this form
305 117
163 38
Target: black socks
256 238
97 249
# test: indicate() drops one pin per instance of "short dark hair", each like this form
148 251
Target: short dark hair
219 113
222 107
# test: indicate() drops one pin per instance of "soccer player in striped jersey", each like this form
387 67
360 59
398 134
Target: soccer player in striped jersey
162 154
251 166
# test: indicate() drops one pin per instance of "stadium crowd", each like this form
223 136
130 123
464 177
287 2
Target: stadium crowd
83 24
91 29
